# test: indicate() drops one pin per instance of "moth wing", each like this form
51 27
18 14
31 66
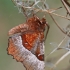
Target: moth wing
21 54
18 29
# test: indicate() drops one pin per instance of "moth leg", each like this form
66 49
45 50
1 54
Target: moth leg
48 27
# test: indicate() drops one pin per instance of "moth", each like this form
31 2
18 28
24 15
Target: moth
26 43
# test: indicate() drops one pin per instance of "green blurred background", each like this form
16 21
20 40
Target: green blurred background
10 17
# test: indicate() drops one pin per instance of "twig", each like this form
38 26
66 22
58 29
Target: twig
66 4
57 24
20 4
65 55
58 46
48 11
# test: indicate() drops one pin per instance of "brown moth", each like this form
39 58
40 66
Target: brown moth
26 43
